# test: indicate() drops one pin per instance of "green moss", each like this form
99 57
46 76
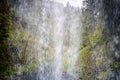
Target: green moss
114 65
13 43
95 36
64 64
6 65
29 67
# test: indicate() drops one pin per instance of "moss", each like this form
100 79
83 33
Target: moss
6 65
13 43
29 67
95 36
102 75
114 65
64 64
99 61
83 55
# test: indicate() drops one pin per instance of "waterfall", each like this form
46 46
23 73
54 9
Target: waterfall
54 30
58 41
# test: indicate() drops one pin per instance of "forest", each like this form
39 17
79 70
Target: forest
47 40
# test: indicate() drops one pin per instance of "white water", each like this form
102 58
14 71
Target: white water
51 26
58 41
75 3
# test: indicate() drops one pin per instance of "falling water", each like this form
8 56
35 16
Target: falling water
55 30
58 42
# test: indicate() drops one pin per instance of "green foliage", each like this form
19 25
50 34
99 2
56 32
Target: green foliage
6 65
64 64
114 65
102 75
83 55
95 36
91 58
5 24
14 48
